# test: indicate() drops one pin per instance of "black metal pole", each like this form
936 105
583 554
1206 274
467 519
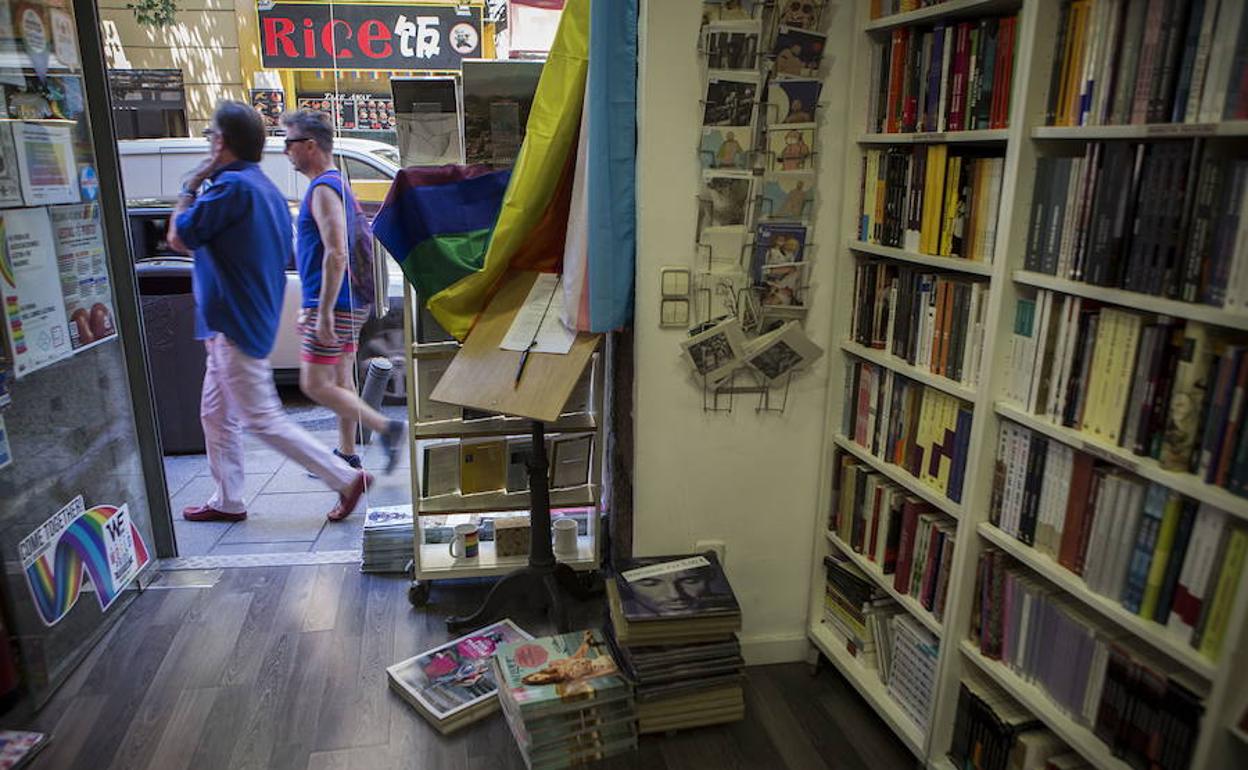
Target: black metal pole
541 554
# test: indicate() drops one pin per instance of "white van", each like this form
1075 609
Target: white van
153 169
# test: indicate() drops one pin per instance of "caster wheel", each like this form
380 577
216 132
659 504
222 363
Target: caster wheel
418 594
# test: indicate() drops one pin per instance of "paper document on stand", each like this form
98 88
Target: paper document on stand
539 320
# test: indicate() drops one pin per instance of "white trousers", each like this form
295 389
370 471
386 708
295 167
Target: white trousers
239 394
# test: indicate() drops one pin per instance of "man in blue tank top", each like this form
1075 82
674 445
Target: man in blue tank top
238 230
331 317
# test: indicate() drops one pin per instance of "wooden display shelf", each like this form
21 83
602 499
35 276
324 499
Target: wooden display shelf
1078 737
583 496
900 476
869 685
955 264
981 136
1146 303
1152 634
583 422
952 9
912 605
436 558
1230 128
1184 483
918 374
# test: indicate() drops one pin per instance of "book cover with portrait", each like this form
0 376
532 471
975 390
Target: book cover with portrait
669 587
544 675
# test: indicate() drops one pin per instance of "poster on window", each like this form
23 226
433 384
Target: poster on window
34 308
270 103
100 544
45 158
83 266
10 177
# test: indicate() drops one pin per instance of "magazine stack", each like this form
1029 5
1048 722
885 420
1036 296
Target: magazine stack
674 621
565 700
387 539
453 685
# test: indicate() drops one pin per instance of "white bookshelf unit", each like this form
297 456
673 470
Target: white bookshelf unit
1026 139
433 560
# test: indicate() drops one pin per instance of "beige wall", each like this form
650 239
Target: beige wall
203 43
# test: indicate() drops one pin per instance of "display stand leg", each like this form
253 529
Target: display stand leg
543 577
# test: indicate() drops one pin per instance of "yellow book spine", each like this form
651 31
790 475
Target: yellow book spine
1161 555
950 214
1228 583
1106 337
933 192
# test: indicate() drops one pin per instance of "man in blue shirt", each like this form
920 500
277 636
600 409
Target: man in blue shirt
331 317
239 231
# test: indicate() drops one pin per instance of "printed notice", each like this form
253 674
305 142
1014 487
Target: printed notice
83 268
667 567
34 308
538 325
45 155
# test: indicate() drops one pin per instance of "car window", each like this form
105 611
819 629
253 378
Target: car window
388 155
359 171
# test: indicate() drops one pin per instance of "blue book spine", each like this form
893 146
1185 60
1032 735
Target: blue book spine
1145 544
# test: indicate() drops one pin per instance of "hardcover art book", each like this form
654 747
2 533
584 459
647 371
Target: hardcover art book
453 685
670 587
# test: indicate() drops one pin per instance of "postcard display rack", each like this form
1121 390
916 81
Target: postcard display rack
750 290
433 561
1015 141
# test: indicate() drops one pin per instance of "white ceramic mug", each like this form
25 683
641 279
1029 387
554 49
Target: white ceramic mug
467 539
565 536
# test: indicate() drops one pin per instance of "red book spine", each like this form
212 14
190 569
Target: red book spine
896 76
877 511
1089 518
934 544
905 549
1076 510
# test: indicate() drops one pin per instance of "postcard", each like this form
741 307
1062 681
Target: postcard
715 352
788 195
730 11
730 99
793 101
726 201
730 48
777 244
569 463
798 52
783 285
779 352
790 148
798 14
726 147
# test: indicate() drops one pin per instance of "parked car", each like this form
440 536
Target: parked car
382 335
154 168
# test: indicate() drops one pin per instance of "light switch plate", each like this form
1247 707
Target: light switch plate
674 282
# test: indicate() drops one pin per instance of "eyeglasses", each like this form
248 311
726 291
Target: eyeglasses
289 141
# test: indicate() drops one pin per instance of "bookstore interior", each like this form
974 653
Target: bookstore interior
903 341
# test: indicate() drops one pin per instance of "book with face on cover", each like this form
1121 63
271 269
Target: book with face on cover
674 587
453 684
556 674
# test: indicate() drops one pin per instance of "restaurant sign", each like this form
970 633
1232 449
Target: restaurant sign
368 36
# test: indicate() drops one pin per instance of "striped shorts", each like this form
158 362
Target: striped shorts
347 325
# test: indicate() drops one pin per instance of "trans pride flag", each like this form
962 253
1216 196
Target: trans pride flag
457 230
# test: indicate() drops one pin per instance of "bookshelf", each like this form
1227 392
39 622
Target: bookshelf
433 561
1023 143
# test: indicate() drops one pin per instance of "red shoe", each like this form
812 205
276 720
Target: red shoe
206 513
349 499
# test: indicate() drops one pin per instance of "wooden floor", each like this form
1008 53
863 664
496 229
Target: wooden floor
284 667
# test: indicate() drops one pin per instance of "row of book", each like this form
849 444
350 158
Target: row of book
1165 557
673 626
1163 218
1164 389
931 320
881 8
908 424
992 731
906 539
927 200
1145 709
1148 61
881 636
954 76
471 466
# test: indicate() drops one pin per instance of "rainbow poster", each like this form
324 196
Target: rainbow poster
98 544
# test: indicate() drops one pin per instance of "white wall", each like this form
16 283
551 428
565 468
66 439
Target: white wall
749 479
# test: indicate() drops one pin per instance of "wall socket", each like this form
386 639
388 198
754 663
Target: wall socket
721 551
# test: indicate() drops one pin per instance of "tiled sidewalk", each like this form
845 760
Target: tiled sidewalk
285 507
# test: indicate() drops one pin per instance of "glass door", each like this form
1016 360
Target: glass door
75 501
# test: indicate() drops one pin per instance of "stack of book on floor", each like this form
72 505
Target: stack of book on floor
565 700
387 539
993 731
674 621
1146 709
